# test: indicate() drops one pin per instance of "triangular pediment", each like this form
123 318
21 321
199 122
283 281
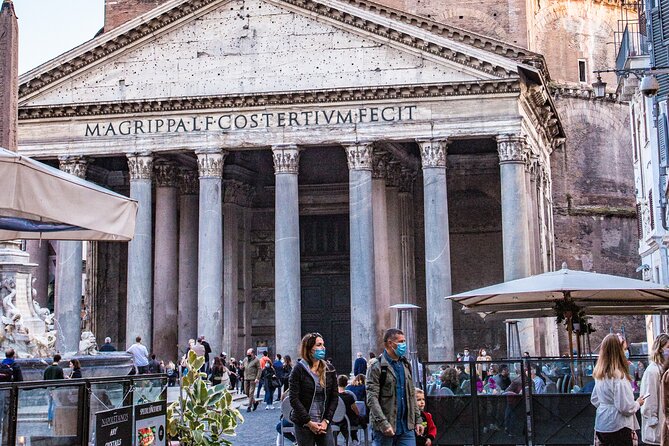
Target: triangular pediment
223 47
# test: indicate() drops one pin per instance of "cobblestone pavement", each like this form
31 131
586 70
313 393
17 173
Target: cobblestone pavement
259 427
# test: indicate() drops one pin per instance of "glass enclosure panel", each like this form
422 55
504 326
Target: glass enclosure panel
5 418
49 416
149 390
106 396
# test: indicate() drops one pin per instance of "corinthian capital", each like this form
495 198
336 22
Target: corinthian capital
286 159
74 165
140 166
188 182
210 164
433 152
380 165
166 174
512 149
360 156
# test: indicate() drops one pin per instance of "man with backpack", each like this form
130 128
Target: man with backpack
10 371
395 415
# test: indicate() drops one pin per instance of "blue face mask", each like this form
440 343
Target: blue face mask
319 354
627 354
401 349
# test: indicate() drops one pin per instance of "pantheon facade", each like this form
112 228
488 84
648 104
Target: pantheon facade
300 165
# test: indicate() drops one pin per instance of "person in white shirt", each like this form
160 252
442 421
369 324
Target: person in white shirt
140 356
652 417
615 419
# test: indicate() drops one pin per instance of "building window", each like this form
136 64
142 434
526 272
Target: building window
582 77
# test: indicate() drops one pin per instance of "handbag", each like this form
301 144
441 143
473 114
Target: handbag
635 439
274 382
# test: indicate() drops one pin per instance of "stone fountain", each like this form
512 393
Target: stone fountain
32 330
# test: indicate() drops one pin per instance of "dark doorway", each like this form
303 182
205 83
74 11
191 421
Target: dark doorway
326 296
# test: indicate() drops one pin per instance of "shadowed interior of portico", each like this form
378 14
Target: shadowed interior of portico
249 304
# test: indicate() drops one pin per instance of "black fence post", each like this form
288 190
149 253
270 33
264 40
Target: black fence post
13 413
85 404
475 404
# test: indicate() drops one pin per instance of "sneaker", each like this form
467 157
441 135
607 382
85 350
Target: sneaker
248 409
255 405
266 407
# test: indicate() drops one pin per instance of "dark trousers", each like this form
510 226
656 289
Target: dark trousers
305 437
623 437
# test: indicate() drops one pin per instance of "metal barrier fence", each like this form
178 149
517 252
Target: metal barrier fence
515 402
54 413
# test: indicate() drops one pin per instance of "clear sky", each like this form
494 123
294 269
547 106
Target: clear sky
48 28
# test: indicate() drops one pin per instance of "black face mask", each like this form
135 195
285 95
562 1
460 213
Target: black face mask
249 356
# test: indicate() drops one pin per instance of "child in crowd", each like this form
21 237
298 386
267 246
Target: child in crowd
430 431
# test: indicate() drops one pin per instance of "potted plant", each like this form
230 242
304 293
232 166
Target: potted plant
202 415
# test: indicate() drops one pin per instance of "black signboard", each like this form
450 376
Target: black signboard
114 427
150 426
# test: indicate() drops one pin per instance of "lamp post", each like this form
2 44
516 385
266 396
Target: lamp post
648 86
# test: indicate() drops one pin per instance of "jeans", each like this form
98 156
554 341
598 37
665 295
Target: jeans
405 439
260 384
269 393
305 437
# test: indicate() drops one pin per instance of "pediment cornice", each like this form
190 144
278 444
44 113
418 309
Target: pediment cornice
273 99
430 37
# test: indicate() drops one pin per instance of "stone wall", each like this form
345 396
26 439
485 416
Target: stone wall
593 199
117 12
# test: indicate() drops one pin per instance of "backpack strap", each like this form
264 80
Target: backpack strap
383 377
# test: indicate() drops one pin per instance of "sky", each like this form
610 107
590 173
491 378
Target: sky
48 28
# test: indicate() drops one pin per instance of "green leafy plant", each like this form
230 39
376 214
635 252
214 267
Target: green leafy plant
565 308
202 416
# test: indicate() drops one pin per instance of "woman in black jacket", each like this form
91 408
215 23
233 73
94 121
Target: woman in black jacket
75 365
313 394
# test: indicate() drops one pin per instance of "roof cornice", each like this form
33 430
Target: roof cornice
176 10
504 86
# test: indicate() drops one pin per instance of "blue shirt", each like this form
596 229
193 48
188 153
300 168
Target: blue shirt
401 423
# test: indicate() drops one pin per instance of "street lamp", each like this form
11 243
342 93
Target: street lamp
648 86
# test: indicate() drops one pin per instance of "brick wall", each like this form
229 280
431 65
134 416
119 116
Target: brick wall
9 74
118 12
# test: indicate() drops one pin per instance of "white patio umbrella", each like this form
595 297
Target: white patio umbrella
38 201
594 293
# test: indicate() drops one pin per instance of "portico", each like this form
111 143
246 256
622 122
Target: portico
389 185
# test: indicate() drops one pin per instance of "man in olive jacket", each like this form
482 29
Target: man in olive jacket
391 396
252 373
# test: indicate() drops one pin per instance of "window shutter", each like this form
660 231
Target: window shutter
638 220
651 209
662 139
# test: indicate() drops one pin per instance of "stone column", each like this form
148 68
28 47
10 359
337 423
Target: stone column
440 337
381 254
165 265
236 195
516 243
515 237
534 249
210 249
406 211
364 335
287 290
39 254
140 250
395 261
69 264
539 248
188 225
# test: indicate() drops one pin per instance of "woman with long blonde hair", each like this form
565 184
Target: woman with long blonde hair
615 420
313 394
652 418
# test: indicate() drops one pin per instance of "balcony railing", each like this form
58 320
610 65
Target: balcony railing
631 42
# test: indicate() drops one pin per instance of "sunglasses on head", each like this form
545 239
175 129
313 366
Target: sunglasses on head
315 335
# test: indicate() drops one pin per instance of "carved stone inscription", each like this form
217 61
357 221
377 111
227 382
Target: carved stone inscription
228 122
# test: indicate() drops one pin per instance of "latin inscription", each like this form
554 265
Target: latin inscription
228 122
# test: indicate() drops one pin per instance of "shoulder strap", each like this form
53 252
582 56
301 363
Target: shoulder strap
383 377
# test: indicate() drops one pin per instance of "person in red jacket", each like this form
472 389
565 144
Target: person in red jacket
430 431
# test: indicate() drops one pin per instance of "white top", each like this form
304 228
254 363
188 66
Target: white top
652 417
140 355
615 405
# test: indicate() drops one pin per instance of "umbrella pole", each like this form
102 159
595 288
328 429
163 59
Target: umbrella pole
571 340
